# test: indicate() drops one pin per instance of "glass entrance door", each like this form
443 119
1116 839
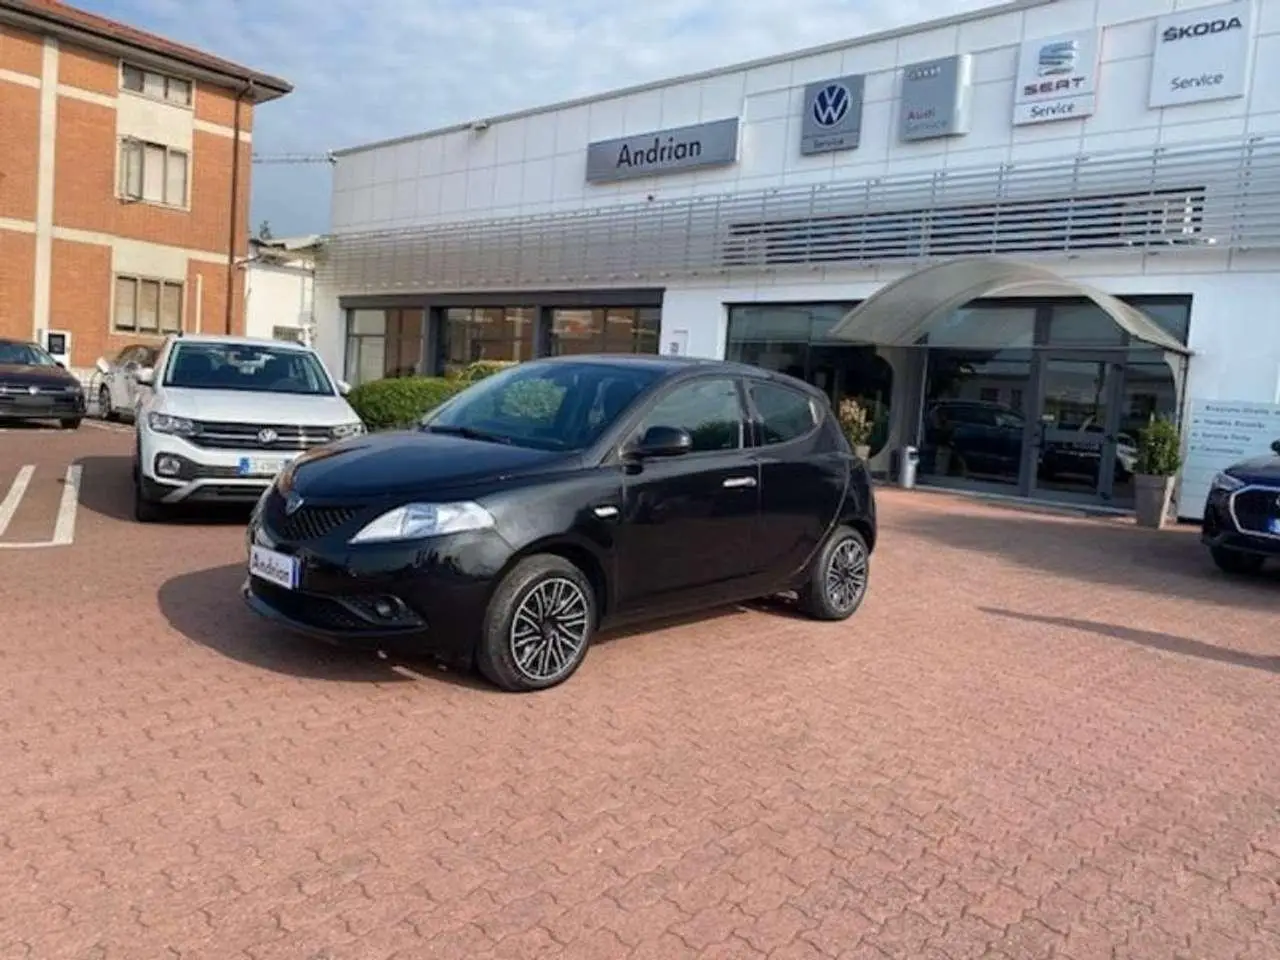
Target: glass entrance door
1073 449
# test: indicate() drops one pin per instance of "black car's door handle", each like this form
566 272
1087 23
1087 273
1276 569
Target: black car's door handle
735 483
605 512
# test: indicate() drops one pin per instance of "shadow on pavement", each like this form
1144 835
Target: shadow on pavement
1149 638
106 488
205 607
1170 563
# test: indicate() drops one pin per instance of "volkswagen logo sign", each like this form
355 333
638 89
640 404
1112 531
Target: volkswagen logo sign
292 504
267 436
831 104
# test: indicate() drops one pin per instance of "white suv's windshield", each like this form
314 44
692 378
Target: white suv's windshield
547 406
257 368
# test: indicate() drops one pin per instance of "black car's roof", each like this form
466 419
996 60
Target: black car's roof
11 342
673 366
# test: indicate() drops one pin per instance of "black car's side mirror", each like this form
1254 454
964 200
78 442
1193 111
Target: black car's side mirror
61 364
661 442
1275 447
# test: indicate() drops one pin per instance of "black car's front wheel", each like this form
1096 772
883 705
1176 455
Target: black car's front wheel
538 625
1236 561
838 578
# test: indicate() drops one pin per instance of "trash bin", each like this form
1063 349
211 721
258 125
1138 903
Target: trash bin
908 463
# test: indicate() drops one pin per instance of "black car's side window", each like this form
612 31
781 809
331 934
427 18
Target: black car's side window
785 414
711 410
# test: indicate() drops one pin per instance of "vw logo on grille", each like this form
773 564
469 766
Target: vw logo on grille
267 436
831 104
33 390
292 504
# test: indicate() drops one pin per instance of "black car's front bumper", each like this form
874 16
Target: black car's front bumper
435 591
69 406
1226 528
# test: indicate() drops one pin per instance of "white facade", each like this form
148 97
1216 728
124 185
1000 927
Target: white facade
526 167
279 289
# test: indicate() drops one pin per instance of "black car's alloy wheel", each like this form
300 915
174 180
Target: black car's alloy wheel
838 579
538 625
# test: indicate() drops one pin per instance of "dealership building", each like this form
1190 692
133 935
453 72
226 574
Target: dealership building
1014 235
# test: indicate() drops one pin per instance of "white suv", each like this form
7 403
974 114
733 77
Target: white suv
219 417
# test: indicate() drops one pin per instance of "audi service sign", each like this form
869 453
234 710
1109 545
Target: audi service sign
832 118
937 98
1057 78
1201 55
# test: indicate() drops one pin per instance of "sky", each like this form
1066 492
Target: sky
366 70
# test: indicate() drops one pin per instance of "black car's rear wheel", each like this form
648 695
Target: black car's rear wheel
69 423
838 578
1235 561
538 625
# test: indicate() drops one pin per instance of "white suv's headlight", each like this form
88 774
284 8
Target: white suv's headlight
416 521
1226 482
344 430
163 423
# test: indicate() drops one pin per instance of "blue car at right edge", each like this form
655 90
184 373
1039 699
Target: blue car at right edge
1241 525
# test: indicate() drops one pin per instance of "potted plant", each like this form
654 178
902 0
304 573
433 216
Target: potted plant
1157 463
857 425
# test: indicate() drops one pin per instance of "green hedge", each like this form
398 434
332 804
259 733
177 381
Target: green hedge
399 402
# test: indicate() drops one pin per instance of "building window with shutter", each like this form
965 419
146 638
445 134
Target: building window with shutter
153 173
147 306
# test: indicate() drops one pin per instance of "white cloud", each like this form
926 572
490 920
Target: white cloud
371 69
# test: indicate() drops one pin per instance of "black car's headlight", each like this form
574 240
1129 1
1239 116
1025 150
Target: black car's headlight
1225 483
416 521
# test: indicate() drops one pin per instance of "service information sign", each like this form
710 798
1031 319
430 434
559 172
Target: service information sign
1202 54
1220 433
1057 78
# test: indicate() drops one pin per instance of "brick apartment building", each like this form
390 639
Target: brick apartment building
123 203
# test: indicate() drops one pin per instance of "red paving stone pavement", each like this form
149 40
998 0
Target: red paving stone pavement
1041 737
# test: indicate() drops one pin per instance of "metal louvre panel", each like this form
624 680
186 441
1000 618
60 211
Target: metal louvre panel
1222 196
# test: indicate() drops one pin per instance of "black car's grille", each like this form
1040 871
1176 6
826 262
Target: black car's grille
258 436
306 523
41 390
1254 509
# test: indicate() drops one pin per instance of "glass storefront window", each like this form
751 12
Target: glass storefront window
383 343
489 333
985 328
609 330
1084 326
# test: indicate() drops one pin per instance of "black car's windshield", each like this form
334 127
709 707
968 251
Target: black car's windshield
24 355
549 406
258 368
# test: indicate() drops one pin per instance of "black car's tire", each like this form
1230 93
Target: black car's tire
1236 562
105 410
838 578
538 625
144 510
70 423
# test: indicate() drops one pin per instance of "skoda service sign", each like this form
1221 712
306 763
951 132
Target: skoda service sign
711 144
936 98
1057 78
1202 54
832 118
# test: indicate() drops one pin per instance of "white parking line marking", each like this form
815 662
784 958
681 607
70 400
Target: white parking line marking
64 526
9 505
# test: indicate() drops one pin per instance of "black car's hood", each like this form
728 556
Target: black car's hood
1265 469
389 465
32 376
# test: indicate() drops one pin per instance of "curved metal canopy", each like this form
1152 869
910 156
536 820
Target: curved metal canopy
905 310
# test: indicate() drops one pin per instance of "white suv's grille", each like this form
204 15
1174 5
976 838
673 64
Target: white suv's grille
258 436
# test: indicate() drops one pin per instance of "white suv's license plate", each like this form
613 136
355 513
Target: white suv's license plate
261 466
278 568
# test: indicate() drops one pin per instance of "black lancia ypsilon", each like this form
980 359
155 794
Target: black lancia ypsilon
560 496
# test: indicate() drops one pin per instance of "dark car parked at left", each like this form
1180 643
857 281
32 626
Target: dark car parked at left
1241 524
561 496
34 386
